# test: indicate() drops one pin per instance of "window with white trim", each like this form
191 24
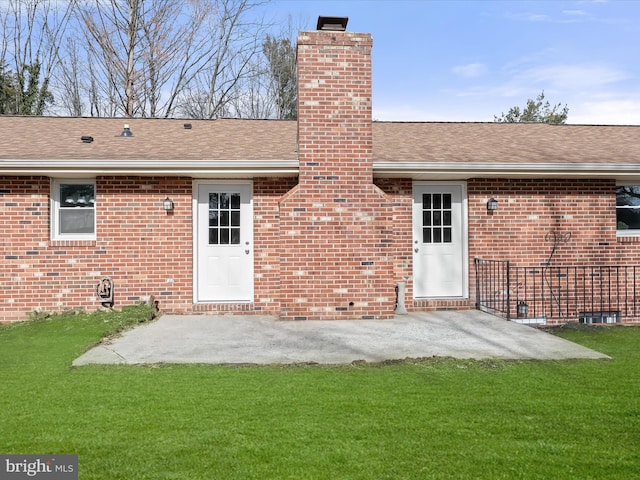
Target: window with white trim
73 209
628 209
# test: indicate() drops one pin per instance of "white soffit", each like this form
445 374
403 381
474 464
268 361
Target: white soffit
187 168
466 170
289 168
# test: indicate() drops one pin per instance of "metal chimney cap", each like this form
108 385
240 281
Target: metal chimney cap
332 24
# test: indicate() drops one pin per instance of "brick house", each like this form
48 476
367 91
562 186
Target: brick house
314 219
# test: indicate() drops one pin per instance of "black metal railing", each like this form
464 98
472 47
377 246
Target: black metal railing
559 294
492 286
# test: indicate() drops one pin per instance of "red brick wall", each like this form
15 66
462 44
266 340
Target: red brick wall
529 209
400 193
519 231
300 268
146 251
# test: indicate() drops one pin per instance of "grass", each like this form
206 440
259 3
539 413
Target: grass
436 418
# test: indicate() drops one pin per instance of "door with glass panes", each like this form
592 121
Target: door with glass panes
224 264
438 251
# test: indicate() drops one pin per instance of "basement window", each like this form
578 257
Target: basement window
599 317
73 210
628 209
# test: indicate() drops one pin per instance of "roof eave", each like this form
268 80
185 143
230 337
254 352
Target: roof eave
289 168
176 168
467 170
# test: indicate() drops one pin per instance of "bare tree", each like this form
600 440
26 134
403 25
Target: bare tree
69 79
31 34
251 99
148 58
271 90
172 54
216 89
159 57
111 35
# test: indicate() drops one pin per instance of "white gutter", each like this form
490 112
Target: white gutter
289 168
466 170
187 168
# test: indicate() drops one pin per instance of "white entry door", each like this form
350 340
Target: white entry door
224 253
438 235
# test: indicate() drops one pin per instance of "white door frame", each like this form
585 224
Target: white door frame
194 221
465 231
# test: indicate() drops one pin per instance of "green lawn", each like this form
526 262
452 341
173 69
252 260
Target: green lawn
439 418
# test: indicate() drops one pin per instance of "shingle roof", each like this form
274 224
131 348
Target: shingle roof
396 145
58 138
505 143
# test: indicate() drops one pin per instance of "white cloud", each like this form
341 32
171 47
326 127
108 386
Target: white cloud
575 13
555 80
570 76
472 70
568 16
528 17
562 16
537 17
607 112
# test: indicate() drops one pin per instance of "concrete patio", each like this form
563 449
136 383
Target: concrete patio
235 339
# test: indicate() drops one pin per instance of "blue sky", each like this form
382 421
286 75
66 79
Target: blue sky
470 60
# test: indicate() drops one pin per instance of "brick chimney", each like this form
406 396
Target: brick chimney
336 224
334 107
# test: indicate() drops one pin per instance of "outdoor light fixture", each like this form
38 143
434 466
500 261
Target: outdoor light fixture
333 24
86 139
126 132
523 309
492 204
168 204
